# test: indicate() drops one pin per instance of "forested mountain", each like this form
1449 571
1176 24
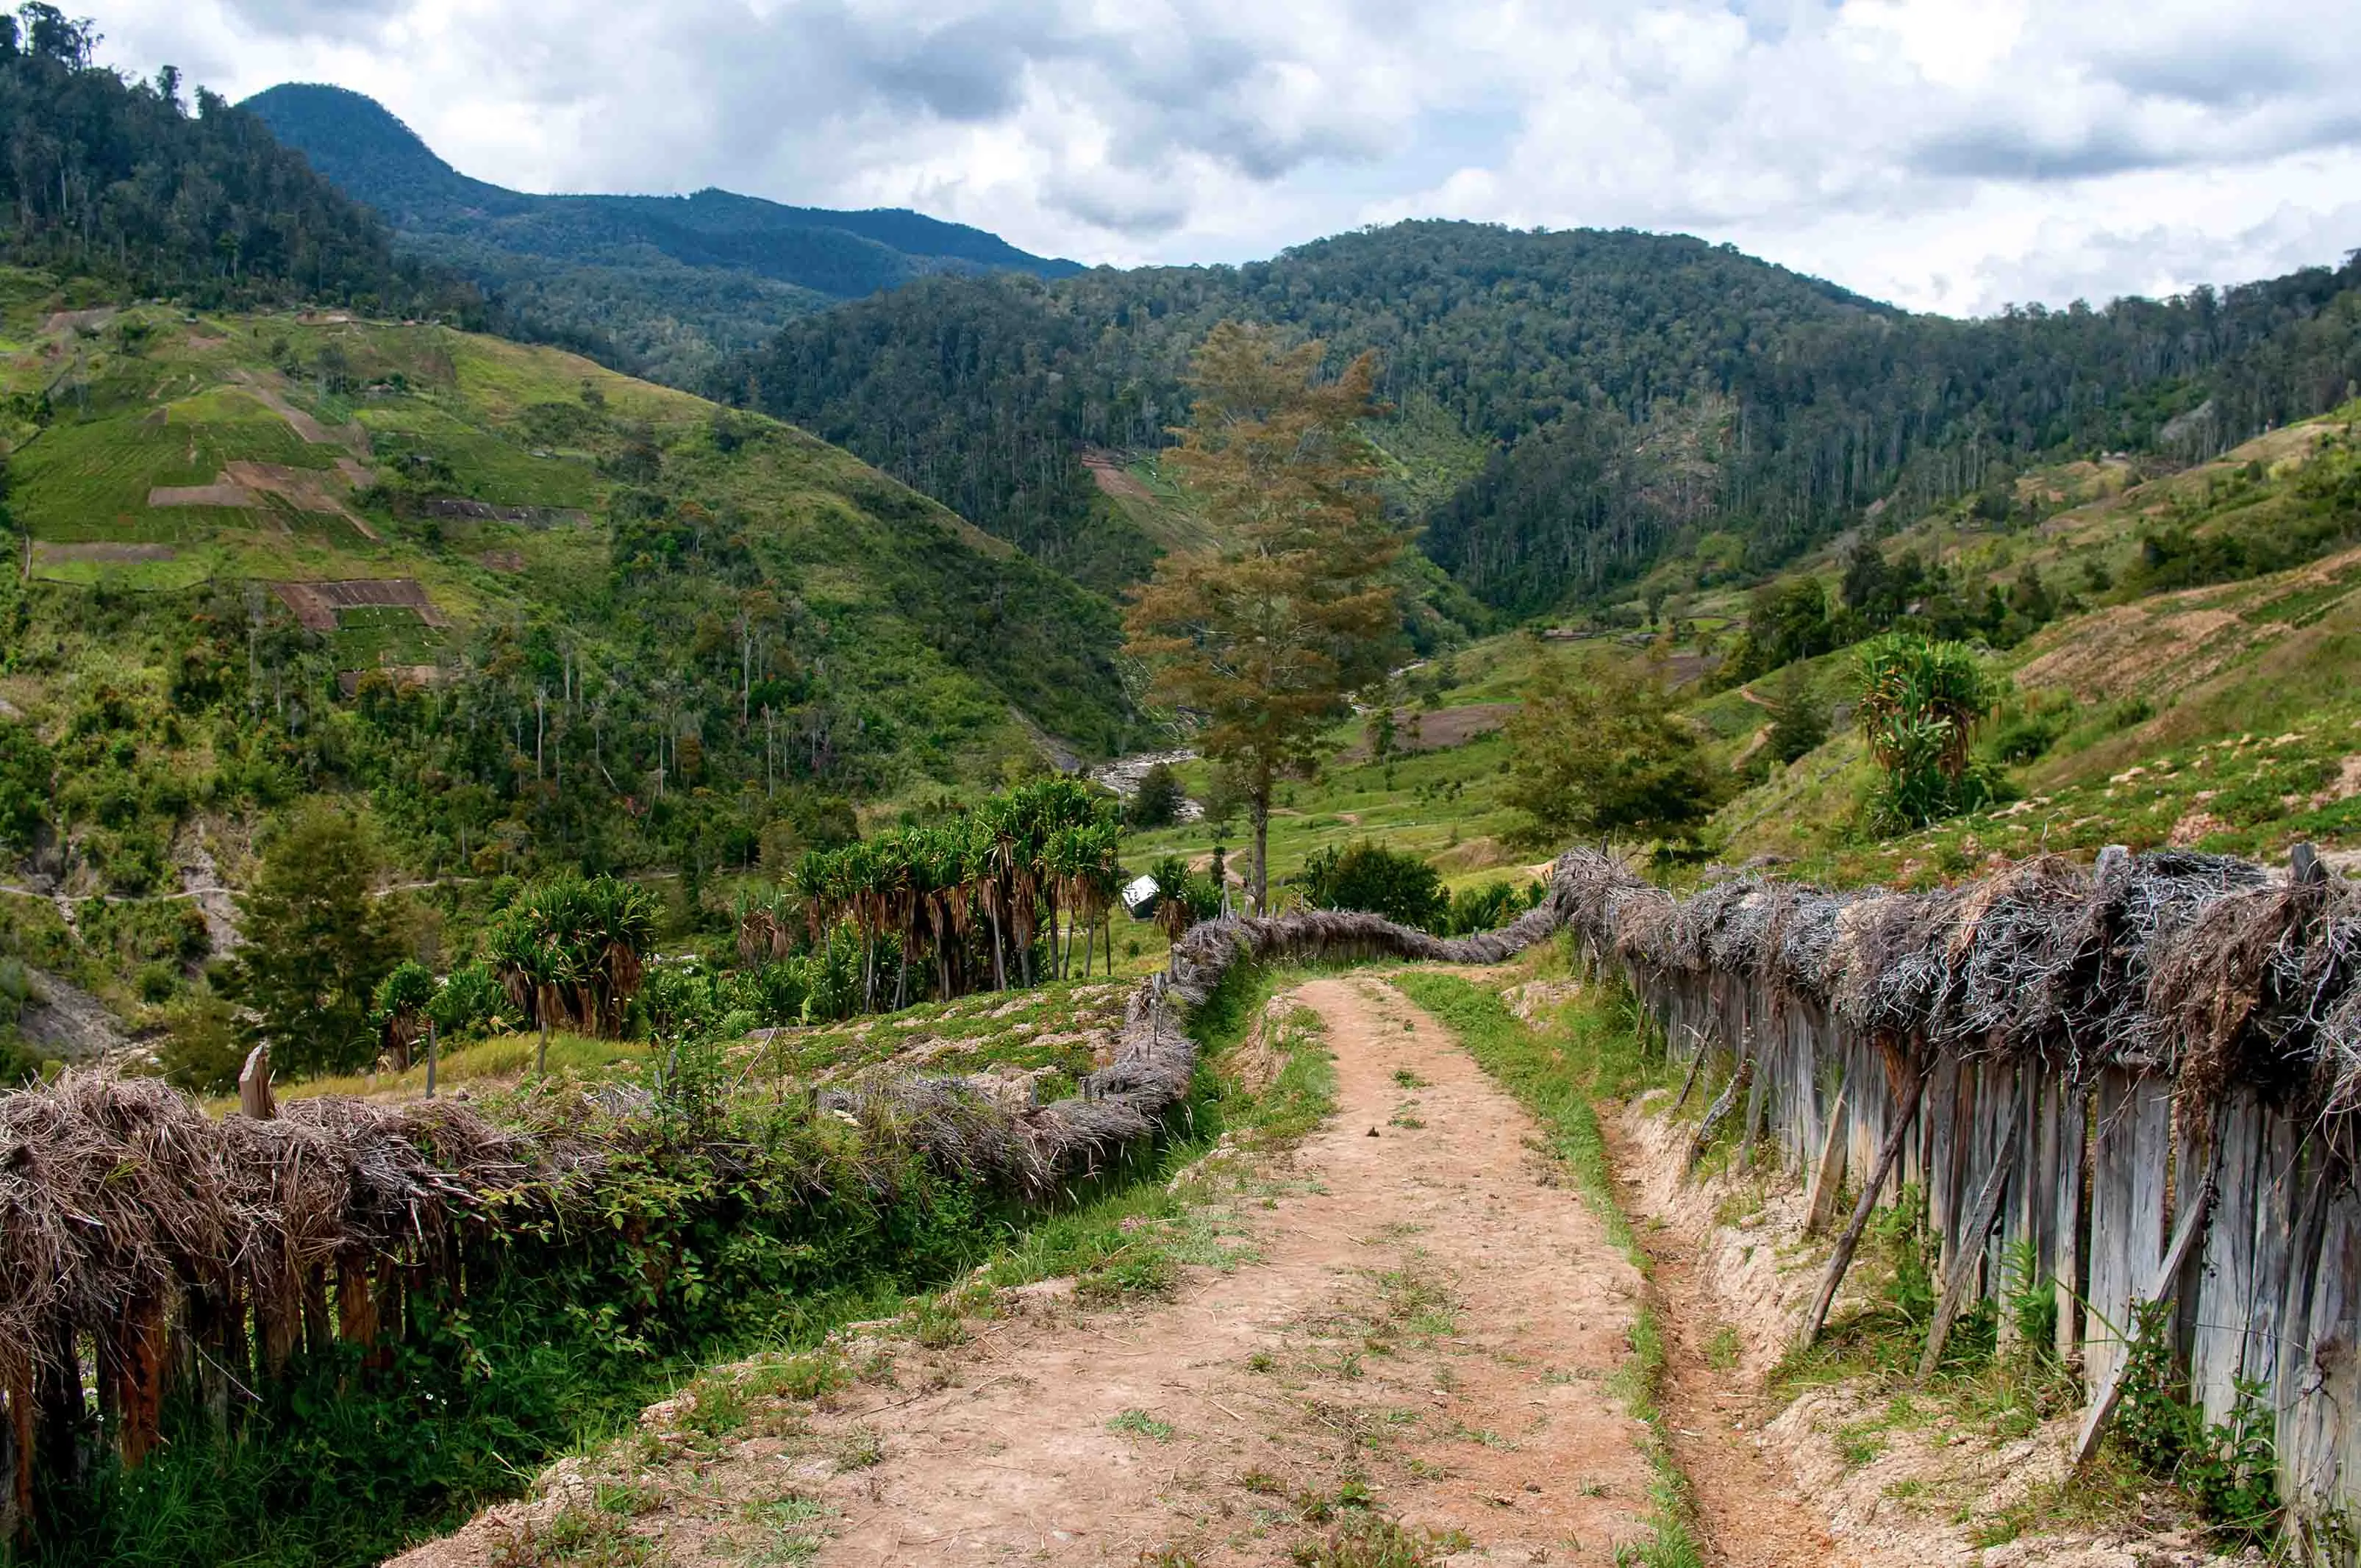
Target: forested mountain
1571 404
122 182
661 285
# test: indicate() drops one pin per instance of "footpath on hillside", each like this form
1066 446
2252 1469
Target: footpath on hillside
1430 1330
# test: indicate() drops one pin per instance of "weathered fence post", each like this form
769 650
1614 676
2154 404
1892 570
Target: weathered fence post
1968 1250
432 1053
1828 1170
1905 1116
20 1432
254 1097
2163 1287
1720 1110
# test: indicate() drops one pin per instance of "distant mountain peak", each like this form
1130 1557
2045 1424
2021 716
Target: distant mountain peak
317 117
659 285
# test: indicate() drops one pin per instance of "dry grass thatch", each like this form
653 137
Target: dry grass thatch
2212 969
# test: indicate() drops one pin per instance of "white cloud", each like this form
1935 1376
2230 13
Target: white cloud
1944 155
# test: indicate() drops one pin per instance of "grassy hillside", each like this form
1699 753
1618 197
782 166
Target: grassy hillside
536 612
2224 717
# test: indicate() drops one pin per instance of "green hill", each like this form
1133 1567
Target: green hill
2193 686
1570 406
537 613
662 285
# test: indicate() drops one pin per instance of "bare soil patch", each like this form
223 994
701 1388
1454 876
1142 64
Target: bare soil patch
222 494
1112 478
1416 729
1772 1479
1427 1333
316 604
45 552
76 321
352 437
2136 649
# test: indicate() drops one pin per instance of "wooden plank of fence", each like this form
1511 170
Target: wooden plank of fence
1755 1093
2296 1347
2111 1282
2313 1440
2281 1176
1827 1171
1905 1116
138 1363
1697 1065
1719 1111
2224 1295
2070 1266
1969 1260
2020 1234
20 1455
2341 1389
2162 1283
1940 1135
254 1097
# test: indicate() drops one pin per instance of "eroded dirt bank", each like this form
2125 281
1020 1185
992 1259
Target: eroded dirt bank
1885 1476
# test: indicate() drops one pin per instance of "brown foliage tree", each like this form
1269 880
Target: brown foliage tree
1262 642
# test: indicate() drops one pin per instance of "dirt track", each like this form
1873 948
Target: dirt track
1431 1317
1428 1328
1506 1411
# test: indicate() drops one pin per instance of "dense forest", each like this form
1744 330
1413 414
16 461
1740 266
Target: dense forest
1612 391
654 285
123 181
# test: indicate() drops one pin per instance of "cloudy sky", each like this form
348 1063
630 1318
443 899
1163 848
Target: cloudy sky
1950 155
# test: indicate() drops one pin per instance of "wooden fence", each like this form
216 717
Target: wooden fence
2105 1181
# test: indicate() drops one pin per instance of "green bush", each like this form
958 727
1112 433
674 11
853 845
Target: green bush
1159 800
1486 908
204 1048
470 1002
25 770
1368 876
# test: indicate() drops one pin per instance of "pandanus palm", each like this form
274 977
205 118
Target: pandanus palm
1019 858
574 950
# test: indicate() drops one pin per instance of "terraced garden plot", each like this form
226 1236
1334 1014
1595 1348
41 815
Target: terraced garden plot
319 606
487 467
374 636
96 480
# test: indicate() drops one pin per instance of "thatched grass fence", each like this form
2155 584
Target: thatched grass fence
2139 1079
151 1254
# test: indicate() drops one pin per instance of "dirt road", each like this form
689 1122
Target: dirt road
1431 1321
1427 1333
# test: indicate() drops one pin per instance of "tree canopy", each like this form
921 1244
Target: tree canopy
1599 752
318 943
123 181
1262 645
1568 405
